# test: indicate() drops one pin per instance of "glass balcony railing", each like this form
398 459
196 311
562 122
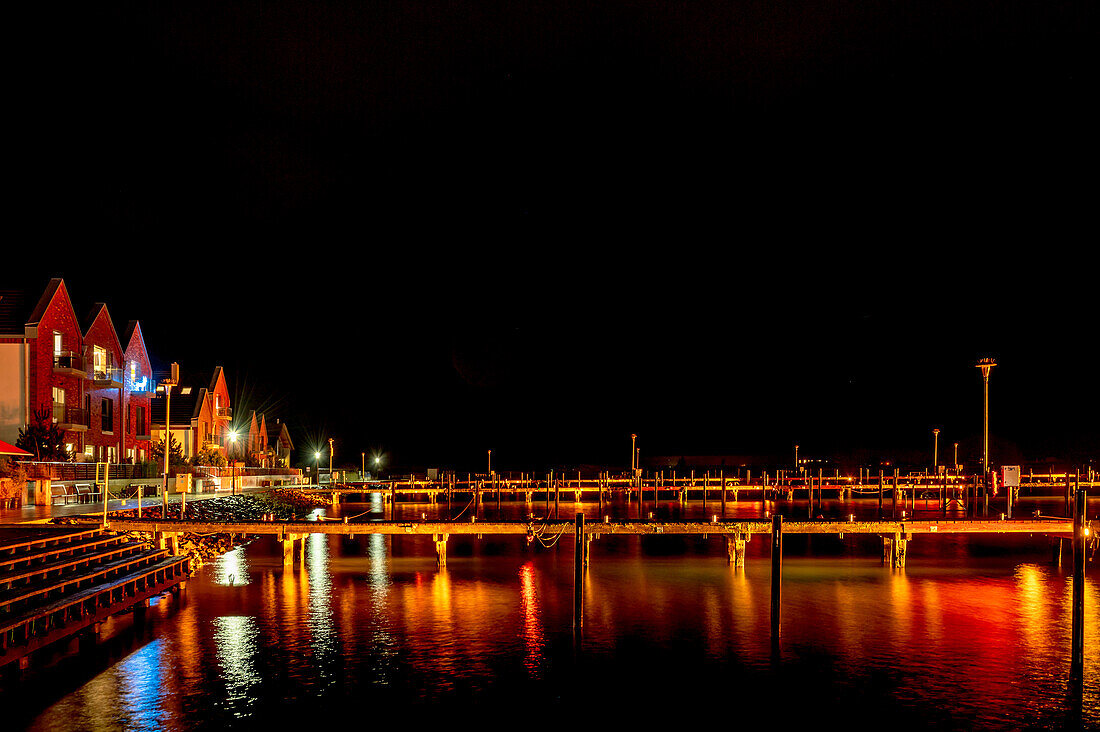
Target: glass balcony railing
69 418
68 361
107 376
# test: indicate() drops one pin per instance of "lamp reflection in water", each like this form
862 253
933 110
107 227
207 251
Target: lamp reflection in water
321 627
533 636
235 638
231 568
142 688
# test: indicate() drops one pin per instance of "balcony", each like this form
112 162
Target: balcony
224 412
71 419
107 378
68 363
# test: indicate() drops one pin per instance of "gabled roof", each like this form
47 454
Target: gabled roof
100 309
44 302
214 379
282 435
133 331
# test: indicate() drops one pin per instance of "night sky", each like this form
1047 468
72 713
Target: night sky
434 228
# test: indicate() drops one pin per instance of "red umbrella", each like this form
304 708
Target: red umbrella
6 449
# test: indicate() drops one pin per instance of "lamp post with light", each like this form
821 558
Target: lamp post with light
330 460
363 467
956 456
233 461
317 466
986 365
935 448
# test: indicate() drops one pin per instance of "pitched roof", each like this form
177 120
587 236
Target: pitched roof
97 309
44 302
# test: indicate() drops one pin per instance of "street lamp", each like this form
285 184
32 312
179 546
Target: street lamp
317 466
490 463
935 448
330 460
796 456
363 466
233 468
986 365
633 466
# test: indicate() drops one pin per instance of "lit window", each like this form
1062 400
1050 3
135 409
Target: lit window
133 371
56 343
99 359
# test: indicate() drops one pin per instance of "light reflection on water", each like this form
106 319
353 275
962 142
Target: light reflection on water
973 633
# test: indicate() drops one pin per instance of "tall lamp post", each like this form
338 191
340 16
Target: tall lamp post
233 461
633 466
956 463
936 448
317 467
330 460
986 365
490 463
363 467
171 381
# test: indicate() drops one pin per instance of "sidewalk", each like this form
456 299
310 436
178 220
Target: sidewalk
42 514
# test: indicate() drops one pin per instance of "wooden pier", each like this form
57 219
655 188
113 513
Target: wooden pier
59 582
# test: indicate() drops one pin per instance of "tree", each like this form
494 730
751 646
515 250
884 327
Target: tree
44 438
175 452
208 457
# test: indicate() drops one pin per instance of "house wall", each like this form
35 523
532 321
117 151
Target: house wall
13 390
58 317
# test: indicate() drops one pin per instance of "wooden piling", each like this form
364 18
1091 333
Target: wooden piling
880 489
578 573
1077 642
777 574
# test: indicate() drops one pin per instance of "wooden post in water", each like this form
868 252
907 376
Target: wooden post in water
578 574
880 487
557 496
1067 495
894 503
777 574
1077 649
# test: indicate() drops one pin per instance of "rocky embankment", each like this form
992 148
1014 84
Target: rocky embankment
278 504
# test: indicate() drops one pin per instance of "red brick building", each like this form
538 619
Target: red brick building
137 375
104 397
42 365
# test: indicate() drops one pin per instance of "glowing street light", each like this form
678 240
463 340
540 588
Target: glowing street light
317 466
986 365
935 448
232 454
330 459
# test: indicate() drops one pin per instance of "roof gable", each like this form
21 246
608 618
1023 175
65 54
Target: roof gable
100 322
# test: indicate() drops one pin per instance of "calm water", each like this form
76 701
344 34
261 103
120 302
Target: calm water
973 633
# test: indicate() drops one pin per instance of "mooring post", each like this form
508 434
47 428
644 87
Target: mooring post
1077 651
777 573
900 543
735 549
440 549
578 573
557 496
880 488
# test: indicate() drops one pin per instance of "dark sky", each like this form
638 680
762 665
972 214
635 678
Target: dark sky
437 227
